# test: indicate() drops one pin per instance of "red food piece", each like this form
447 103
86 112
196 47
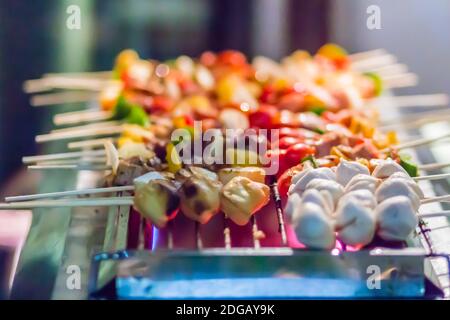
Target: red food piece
284 181
264 117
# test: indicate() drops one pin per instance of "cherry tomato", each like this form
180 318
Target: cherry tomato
294 154
263 118
284 181
286 142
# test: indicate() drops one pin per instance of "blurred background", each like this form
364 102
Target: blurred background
34 40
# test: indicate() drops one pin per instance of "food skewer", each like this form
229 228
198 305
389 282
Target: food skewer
78 167
89 132
422 100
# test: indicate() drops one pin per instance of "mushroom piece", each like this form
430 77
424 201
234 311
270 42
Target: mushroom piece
253 173
386 168
409 181
313 227
242 197
200 195
362 181
362 196
355 222
396 218
157 199
346 170
335 190
396 187
301 179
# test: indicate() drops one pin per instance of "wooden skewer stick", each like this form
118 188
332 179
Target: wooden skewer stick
61 98
92 74
61 156
78 167
88 160
81 116
416 123
89 132
101 124
434 166
364 55
422 100
390 70
435 114
46 84
374 62
433 177
89 143
418 143
62 194
445 198
400 80
445 213
97 202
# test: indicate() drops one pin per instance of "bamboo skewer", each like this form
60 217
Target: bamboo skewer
392 69
62 194
433 177
98 202
60 82
95 160
89 143
421 100
445 213
374 62
364 55
61 98
91 74
418 142
416 123
81 116
101 124
78 167
400 80
61 156
88 132
434 166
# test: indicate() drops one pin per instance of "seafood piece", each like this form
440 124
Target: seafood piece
386 168
410 181
157 200
397 187
335 190
355 222
301 179
200 194
313 227
362 196
293 204
396 218
346 170
322 198
242 197
253 173
362 181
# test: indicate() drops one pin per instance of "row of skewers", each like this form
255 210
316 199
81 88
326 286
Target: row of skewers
338 174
